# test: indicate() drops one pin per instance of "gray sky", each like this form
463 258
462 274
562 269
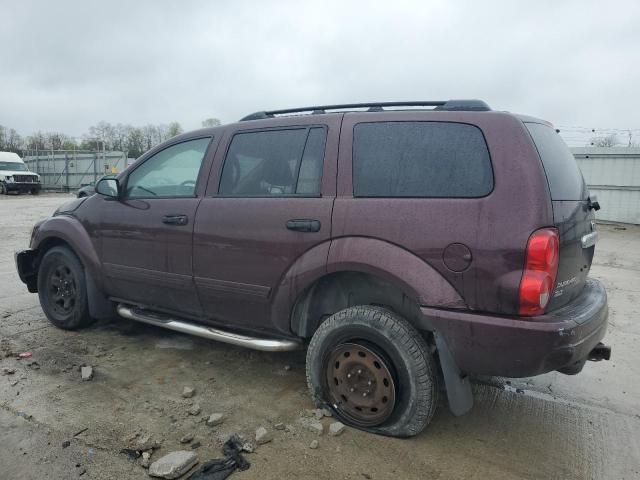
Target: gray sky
67 65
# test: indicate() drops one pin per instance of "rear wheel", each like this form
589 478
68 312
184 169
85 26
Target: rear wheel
374 370
62 289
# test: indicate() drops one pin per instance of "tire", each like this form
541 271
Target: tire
373 336
62 289
3 189
82 195
35 191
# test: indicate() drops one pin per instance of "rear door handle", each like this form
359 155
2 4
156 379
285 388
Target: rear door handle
304 225
175 219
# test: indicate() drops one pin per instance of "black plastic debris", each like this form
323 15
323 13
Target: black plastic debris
131 453
221 468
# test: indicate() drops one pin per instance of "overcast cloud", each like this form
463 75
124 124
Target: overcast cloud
67 65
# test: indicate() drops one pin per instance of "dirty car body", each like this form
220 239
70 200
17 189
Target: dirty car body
452 240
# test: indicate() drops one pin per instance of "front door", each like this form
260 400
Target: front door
146 236
269 202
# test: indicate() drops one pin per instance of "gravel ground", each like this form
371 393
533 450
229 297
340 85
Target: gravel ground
551 426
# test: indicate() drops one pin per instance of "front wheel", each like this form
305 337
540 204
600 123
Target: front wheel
62 289
3 189
374 370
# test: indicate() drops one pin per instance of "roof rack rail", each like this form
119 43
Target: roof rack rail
448 105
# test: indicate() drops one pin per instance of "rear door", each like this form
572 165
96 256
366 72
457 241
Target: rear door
268 201
571 213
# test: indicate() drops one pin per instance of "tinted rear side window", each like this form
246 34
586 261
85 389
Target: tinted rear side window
274 162
420 159
563 175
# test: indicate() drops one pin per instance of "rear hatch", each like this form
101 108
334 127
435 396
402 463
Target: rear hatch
572 216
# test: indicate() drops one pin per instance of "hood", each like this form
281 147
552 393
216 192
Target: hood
69 207
7 173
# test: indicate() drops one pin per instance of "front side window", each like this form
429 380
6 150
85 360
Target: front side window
172 172
420 159
274 162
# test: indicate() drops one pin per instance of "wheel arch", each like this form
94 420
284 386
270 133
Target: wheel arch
68 232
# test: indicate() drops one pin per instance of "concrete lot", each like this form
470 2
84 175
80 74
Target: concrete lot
548 427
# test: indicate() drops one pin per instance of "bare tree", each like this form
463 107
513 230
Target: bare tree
211 122
608 141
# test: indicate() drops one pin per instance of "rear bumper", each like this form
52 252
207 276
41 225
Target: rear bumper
22 187
515 347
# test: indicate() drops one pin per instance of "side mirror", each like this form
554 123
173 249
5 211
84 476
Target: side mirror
109 187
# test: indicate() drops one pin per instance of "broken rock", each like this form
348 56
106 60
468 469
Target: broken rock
195 410
336 428
7 371
146 460
315 427
87 373
263 436
215 419
173 465
187 438
188 392
314 444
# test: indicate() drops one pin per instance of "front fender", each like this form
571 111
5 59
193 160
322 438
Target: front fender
412 274
71 231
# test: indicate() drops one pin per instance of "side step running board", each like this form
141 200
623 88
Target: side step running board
179 325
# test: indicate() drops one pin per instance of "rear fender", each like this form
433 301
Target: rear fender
388 261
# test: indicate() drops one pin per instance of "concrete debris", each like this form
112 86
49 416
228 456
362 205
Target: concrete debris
195 410
173 465
146 460
87 373
279 426
187 438
215 419
188 392
319 413
7 371
314 444
248 447
142 443
263 436
327 412
315 427
336 428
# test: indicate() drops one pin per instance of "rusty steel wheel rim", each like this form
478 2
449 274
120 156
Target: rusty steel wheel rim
360 384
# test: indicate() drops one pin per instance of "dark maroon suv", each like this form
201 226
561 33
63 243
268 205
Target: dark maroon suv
403 244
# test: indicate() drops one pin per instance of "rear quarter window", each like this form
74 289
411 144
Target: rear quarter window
420 159
563 174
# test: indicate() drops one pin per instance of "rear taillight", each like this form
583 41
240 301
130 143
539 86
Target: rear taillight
540 269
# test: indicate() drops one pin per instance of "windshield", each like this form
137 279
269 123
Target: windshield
16 167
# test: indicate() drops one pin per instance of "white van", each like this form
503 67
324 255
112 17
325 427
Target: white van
15 176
